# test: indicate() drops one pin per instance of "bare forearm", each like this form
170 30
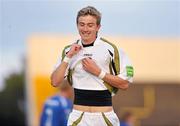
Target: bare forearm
58 75
116 81
90 66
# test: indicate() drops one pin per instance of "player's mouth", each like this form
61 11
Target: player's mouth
86 34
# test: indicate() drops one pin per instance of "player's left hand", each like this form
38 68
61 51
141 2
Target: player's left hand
90 66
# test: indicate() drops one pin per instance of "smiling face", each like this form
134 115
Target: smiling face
88 28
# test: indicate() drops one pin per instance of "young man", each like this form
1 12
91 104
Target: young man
96 69
58 107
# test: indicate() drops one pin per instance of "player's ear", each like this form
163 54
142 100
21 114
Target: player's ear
98 27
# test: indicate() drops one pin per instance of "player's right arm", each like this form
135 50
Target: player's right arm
58 74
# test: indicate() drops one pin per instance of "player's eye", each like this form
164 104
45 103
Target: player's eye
90 25
81 24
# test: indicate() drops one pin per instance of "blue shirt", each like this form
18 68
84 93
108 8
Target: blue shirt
56 111
122 123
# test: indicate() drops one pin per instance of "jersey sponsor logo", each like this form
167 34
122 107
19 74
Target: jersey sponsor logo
87 55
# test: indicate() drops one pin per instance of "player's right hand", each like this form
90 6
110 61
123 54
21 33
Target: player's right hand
75 48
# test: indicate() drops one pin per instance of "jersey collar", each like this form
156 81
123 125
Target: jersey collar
96 42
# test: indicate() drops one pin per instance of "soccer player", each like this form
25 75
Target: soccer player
57 108
96 68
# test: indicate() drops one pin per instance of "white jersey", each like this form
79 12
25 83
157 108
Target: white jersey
102 53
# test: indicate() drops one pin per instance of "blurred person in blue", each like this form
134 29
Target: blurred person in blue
127 119
57 108
96 69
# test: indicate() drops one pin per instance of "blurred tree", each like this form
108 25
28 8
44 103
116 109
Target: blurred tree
12 101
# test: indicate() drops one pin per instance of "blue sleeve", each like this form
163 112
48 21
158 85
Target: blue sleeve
123 123
53 116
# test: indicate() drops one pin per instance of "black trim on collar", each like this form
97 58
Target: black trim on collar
87 45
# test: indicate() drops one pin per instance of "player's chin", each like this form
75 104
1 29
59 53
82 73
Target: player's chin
85 37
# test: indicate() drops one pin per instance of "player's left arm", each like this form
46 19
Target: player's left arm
121 80
116 81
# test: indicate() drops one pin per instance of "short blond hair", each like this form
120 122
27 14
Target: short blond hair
89 10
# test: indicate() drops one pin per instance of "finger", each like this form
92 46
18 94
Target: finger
84 69
84 66
79 47
88 60
75 45
76 49
85 61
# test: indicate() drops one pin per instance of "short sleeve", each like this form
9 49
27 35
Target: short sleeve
126 68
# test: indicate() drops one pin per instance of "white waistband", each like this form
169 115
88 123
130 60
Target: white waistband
92 113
